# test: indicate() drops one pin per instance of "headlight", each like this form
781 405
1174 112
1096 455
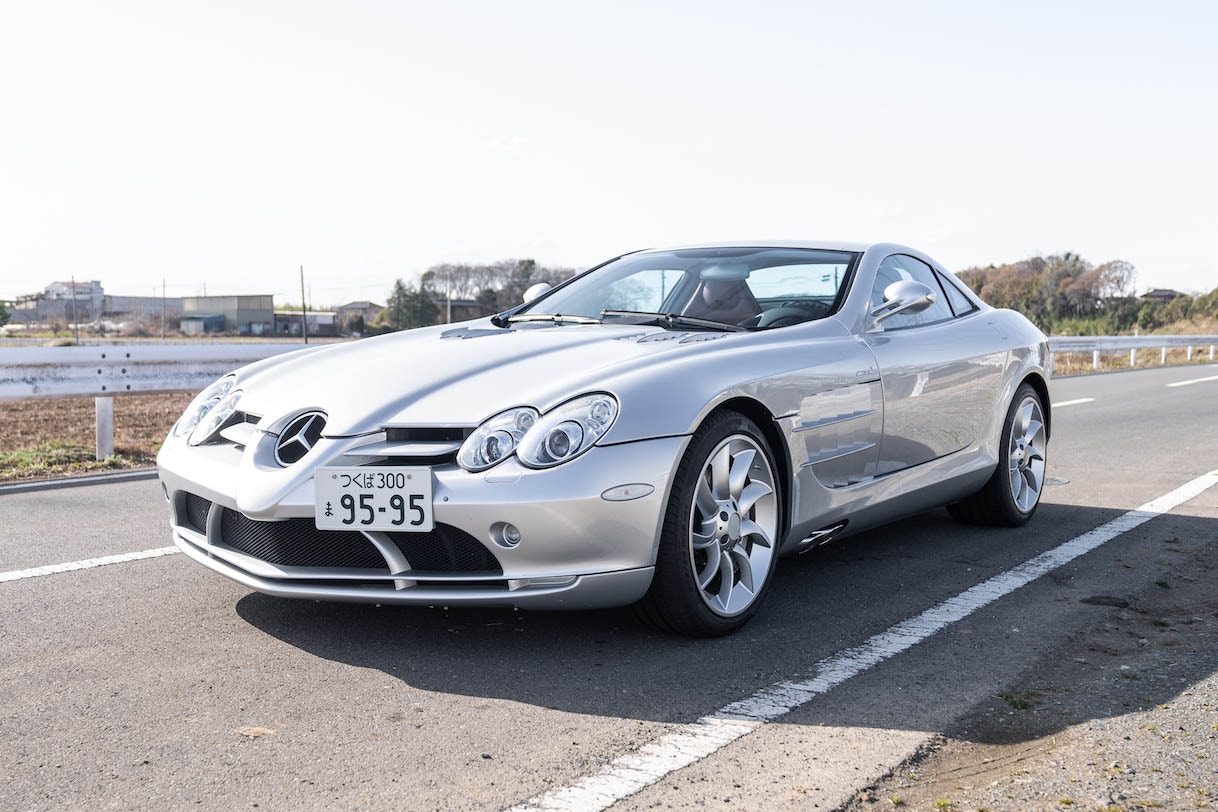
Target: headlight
539 441
496 439
568 431
215 418
203 403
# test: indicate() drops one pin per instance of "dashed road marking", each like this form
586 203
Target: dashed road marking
1074 402
1193 381
88 563
691 743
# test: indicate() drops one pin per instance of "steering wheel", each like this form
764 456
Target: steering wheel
789 314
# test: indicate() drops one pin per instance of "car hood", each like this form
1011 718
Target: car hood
446 376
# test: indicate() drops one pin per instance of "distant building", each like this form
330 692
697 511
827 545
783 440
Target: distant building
1161 295
244 315
369 310
198 325
461 309
320 323
72 303
141 309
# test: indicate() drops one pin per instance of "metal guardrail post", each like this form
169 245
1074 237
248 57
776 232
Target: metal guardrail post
104 408
1163 357
1133 357
1095 359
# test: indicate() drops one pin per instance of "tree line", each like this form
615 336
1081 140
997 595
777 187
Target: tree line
1064 294
492 287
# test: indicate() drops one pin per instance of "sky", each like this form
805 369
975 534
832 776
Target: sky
220 147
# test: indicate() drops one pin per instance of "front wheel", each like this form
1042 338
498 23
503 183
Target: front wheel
718 548
1013 492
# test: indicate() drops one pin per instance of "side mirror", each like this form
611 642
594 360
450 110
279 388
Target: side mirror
904 296
534 291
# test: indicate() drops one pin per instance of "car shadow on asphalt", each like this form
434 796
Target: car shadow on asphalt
828 600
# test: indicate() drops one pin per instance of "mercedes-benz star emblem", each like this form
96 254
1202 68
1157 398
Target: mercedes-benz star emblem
298 437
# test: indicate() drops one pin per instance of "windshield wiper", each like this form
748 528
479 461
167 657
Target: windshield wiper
676 320
557 318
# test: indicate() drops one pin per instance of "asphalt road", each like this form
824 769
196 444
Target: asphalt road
154 683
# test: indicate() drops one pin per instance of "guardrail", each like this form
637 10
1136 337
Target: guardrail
1100 346
103 372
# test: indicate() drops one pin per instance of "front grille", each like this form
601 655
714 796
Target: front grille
195 509
298 543
446 549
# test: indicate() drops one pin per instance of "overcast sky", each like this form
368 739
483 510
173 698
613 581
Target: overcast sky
228 144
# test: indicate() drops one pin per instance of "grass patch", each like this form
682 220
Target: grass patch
1016 702
62 458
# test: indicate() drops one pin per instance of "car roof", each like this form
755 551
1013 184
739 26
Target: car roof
825 245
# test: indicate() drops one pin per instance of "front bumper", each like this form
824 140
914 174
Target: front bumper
577 550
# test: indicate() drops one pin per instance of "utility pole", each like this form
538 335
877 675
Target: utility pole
162 308
75 320
304 319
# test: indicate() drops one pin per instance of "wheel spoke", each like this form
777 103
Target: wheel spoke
720 468
1016 482
727 571
750 528
752 492
701 541
1034 428
1025 418
739 473
1029 477
713 559
744 565
707 505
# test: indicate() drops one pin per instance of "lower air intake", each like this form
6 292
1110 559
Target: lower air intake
298 543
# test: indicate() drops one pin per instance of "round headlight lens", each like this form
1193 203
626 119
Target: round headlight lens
496 439
568 431
203 403
215 418
563 439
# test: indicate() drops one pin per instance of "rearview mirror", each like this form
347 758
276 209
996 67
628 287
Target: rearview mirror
906 295
534 291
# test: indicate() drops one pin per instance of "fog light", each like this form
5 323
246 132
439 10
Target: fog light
505 535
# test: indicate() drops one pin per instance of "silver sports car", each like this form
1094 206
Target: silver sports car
656 431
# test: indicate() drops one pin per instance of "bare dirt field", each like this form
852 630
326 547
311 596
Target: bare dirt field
57 437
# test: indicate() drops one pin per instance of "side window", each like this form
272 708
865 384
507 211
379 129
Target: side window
960 303
900 266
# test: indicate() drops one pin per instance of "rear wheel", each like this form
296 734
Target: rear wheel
1013 492
718 548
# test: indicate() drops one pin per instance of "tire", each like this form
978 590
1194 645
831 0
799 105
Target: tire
1013 493
719 545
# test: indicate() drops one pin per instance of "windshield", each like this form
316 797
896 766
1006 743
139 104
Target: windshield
756 288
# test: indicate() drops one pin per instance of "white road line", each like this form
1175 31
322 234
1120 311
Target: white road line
1074 402
88 563
693 742
1193 381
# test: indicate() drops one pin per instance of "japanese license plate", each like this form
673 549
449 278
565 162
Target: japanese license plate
374 498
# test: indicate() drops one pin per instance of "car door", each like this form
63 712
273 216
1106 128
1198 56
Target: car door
940 370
